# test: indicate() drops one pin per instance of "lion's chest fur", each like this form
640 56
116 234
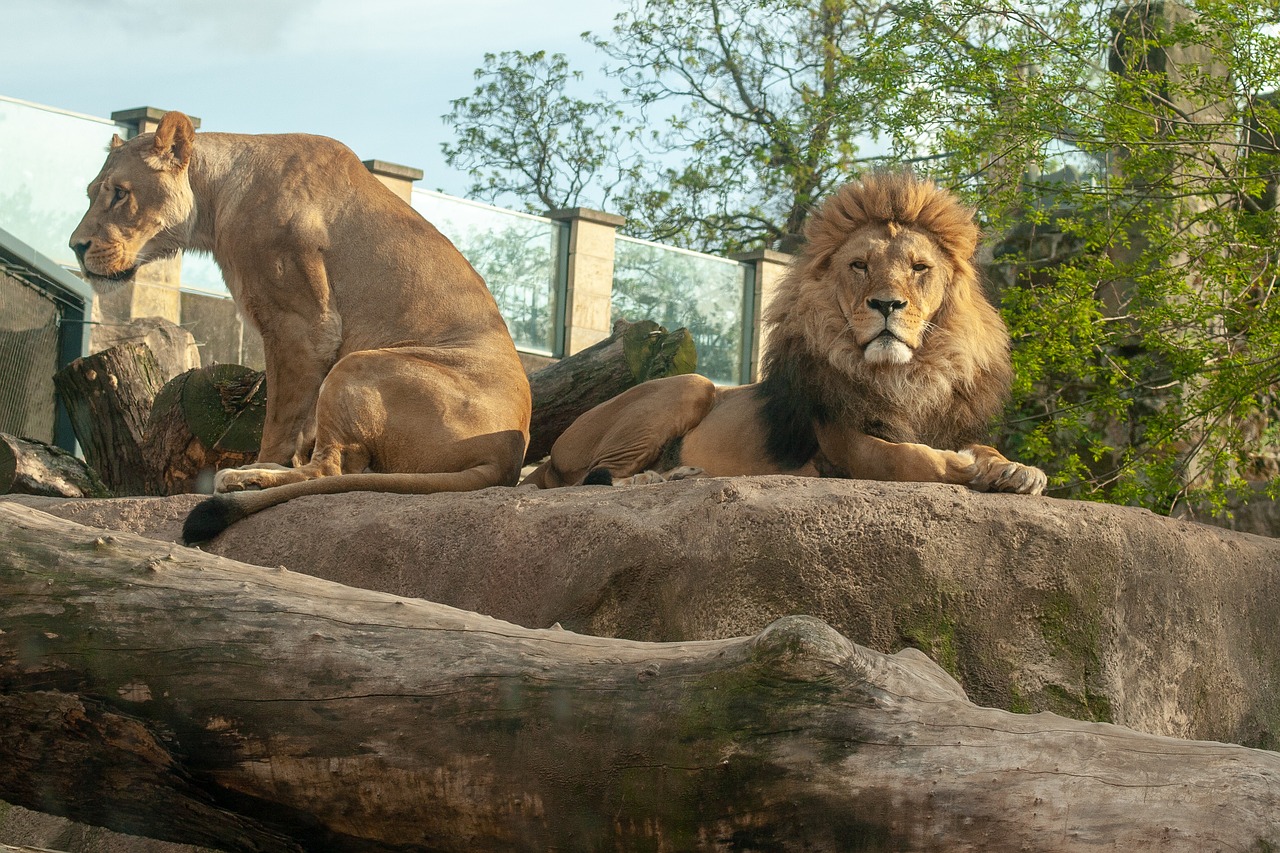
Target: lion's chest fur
802 392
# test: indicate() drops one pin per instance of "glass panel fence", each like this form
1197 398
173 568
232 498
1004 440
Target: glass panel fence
47 158
520 257
705 294
200 273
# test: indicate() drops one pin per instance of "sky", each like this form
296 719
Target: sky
376 74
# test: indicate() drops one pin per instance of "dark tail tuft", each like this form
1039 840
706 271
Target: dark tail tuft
209 518
598 477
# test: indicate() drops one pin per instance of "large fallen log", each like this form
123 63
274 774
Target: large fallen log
163 691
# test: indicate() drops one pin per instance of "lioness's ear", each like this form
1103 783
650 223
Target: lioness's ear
174 138
116 141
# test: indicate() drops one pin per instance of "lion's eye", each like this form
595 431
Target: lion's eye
919 267
859 265
119 195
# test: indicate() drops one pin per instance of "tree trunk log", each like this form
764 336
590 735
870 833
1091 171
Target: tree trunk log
202 420
162 691
108 395
634 353
29 467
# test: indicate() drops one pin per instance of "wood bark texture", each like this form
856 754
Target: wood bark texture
109 395
29 467
202 420
634 353
163 691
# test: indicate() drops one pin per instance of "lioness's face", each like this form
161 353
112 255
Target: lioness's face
890 282
139 207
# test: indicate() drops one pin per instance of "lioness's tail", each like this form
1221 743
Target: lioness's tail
211 517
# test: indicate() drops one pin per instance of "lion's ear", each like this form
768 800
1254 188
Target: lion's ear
116 141
174 138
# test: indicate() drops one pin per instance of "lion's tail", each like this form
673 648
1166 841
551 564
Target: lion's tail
211 517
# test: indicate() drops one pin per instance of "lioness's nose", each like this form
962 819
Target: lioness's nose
886 306
80 249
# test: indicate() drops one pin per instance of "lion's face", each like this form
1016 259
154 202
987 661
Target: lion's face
885 294
140 205
889 280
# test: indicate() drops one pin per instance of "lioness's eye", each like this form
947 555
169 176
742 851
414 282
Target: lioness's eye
919 267
859 265
119 195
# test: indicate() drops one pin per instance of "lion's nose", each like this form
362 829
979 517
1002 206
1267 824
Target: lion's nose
886 306
80 249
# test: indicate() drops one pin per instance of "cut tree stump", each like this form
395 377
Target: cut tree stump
202 420
30 467
163 691
634 353
109 395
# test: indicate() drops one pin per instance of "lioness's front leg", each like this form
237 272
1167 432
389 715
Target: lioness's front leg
296 367
979 467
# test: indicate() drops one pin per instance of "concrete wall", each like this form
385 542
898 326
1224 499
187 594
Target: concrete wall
223 336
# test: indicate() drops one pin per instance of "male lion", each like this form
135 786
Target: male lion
385 352
884 362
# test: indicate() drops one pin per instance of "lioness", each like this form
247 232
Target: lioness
884 361
385 353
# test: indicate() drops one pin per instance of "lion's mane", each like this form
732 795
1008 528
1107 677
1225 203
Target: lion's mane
814 370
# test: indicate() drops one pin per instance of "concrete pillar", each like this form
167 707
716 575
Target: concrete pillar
589 276
399 179
770 269
144 119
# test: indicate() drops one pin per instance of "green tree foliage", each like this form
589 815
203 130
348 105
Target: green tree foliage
520 134
1123 158
684 290
1126 158
763 104
739 116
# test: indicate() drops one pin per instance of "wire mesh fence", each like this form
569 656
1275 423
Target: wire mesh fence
28 359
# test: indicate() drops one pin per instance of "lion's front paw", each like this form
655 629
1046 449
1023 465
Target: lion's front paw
995 473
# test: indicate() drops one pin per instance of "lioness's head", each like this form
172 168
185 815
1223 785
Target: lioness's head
886 281
140 204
